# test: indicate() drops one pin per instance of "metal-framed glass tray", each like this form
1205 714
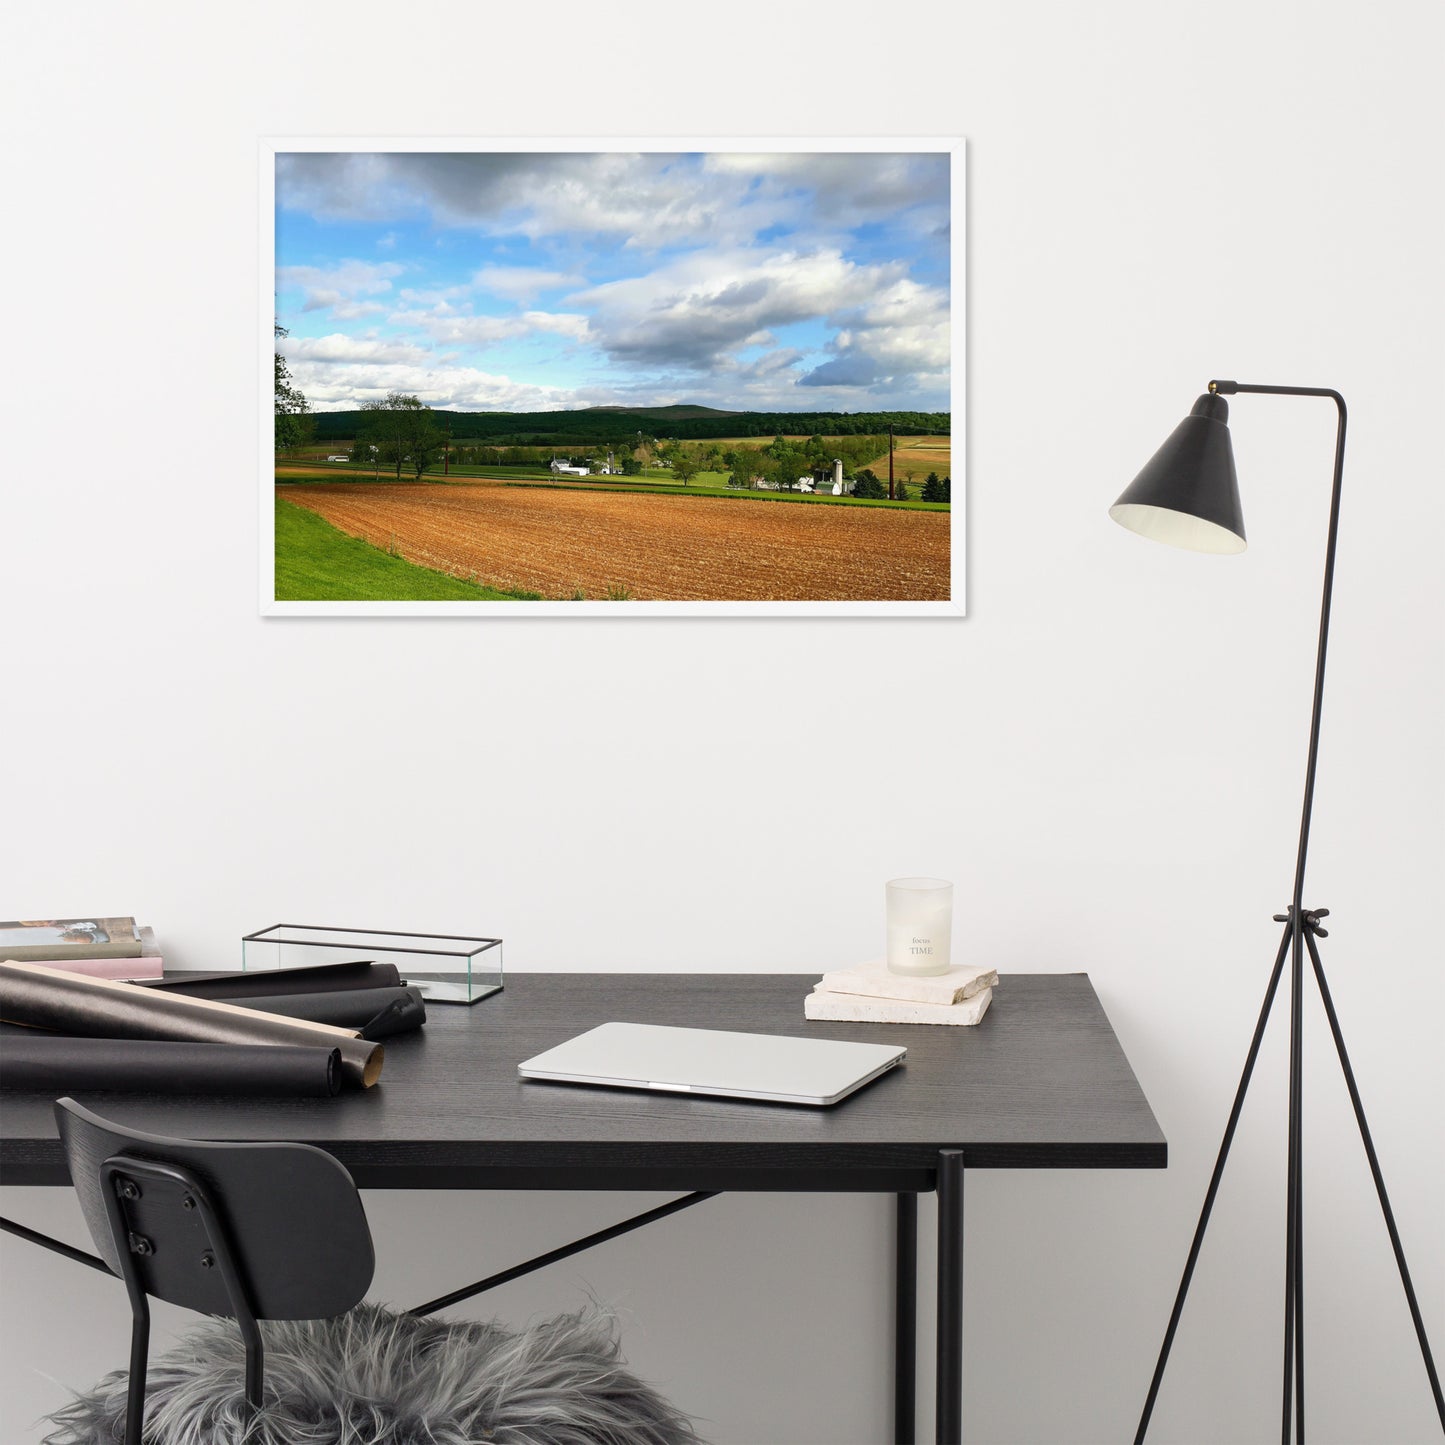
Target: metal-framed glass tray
448 968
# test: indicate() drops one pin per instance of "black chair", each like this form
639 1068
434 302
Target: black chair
277 1232
247 1231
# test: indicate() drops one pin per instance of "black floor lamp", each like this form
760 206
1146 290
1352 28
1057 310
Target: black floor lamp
1187 496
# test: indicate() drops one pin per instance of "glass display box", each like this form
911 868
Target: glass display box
448 968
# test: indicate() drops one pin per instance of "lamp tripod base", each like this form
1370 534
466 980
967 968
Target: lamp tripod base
1301 932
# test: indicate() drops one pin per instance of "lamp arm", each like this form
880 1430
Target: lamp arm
1229 388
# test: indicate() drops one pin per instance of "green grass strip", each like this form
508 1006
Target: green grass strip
317 563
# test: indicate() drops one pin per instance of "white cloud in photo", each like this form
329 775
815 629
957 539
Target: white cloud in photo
340 307
699 311
523 283
358 351
340 386
650 200
329 287
446 325
438 299
900 333
847 188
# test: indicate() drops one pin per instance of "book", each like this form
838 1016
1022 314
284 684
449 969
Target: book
57 938
148 965
873 980
823 1005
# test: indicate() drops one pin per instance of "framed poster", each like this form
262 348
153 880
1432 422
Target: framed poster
512 378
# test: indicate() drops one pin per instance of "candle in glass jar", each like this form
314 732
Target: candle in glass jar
920 925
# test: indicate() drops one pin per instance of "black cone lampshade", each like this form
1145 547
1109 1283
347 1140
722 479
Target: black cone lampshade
1188 495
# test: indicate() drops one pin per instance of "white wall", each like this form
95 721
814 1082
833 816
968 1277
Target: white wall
1158 195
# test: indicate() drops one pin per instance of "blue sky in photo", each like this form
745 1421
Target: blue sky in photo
529 281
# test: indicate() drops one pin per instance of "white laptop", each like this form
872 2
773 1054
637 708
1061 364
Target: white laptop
712 1061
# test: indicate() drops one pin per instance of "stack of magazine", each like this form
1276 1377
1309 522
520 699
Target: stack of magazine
95 947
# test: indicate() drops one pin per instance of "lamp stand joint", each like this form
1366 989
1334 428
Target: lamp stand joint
1309 919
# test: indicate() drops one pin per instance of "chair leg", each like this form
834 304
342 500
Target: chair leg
135 1396
255 1363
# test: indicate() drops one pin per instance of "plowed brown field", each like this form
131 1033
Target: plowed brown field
657 548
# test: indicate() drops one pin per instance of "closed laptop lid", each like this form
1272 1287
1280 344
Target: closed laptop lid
714 1061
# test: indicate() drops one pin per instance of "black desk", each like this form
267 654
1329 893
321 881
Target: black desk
1041 1083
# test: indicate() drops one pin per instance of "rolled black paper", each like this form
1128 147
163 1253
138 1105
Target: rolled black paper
395 1018
100 1008
56 1065
351 1008
271 982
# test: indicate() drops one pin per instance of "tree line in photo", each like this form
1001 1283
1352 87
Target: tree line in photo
402 435
871 488
614 426
783 462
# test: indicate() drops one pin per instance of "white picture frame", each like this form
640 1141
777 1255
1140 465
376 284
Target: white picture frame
953 606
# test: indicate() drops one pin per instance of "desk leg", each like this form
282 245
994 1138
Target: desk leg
905 1321
950 1298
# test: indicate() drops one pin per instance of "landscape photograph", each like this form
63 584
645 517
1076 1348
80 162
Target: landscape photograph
551 380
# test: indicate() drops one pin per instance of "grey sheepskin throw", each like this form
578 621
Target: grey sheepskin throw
371 1377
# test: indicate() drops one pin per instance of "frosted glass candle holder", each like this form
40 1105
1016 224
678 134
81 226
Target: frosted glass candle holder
920 925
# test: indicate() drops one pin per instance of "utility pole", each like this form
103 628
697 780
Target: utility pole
447 453
890 463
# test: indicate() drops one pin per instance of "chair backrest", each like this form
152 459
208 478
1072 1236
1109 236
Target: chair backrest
285 1218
